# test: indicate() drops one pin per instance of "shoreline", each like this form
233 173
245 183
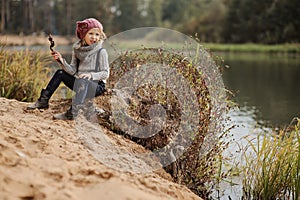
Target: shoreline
254 48
42 40
35 40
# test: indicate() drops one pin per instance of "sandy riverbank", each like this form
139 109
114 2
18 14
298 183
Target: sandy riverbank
41 158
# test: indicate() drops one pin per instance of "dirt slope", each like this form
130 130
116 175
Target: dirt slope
41 158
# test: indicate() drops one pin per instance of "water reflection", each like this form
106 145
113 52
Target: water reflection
246 128
268 95
268 83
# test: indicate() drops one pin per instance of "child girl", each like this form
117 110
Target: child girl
87 72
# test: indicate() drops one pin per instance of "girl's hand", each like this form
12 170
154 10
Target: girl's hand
86 76
57 56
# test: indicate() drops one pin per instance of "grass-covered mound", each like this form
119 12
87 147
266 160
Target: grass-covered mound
197 169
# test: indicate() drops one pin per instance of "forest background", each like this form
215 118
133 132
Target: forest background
218 21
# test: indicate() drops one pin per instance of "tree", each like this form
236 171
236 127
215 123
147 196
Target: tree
127 15
2 16
283 22
268 21
153 13
174 11
206 20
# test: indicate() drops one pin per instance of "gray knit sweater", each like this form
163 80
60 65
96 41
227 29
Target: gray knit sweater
87 57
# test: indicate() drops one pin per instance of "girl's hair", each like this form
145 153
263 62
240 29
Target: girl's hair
103 35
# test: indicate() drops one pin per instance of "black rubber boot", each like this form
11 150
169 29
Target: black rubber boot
71 113
87 110
42 102
68 115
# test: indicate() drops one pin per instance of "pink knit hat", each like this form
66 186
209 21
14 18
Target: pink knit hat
84 26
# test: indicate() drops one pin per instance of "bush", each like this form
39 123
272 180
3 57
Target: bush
22 74
197 170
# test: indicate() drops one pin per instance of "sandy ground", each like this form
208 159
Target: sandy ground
41 158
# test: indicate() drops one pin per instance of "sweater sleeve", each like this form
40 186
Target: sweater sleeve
70 68
103 64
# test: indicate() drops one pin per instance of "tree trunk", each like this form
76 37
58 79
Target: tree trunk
69 16
30 15
7 12
3 16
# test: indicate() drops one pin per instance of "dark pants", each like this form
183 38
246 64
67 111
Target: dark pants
84 89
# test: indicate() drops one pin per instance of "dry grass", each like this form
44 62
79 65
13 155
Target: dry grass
22 74
272 171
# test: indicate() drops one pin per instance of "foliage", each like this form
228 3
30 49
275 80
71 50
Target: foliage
22 74
127 13
268 21
197 170
272 170
228 21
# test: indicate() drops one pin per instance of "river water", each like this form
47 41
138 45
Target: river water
267 92
267 85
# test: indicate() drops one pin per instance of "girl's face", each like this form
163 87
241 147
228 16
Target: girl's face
92 36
